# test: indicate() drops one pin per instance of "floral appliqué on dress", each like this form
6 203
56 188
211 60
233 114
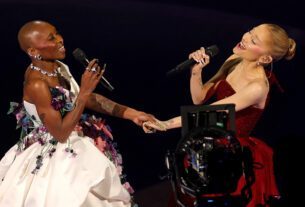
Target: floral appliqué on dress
32 131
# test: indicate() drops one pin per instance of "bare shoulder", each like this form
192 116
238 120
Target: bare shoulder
259 86
36 84
35 88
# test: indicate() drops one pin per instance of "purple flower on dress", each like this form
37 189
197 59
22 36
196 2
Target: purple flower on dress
61 100
95 128
31 133
22 118
57 104
100 132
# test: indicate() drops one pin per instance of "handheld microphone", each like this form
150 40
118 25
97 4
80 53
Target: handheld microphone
80 56
210 51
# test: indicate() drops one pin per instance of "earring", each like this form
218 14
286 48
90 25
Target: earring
37 57
271 70
258 64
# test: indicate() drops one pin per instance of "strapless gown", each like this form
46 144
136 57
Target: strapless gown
40 172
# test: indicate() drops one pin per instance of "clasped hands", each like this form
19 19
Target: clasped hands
148 122
153 126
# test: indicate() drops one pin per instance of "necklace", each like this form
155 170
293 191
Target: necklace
53 74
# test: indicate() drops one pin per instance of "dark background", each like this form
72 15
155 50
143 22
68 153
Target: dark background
140 41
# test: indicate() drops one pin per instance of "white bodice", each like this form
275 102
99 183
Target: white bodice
65 72
50 174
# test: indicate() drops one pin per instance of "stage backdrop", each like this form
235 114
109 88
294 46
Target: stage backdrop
140 41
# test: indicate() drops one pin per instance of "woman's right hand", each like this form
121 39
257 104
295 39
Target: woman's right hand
91 77
201 58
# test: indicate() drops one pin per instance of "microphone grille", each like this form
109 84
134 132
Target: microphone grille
212 50
80 56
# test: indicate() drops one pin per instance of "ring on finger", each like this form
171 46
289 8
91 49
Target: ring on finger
93 69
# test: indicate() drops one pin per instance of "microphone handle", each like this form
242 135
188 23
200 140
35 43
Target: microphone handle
210 51
182 66
186 64
106 84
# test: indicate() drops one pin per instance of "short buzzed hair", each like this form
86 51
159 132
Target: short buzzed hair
24 34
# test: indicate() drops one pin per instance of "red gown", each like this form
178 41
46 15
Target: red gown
264 185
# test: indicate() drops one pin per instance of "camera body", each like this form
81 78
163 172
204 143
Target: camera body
207 162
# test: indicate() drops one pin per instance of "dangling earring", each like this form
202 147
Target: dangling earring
271 69
37 57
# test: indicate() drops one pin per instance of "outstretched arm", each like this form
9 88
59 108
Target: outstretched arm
254 94
104 105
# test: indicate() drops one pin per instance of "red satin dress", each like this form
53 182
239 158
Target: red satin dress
264 185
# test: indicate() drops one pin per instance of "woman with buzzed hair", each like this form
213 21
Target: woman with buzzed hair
64 158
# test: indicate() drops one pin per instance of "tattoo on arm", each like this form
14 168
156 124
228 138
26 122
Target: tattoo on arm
104 104
118 110
171 121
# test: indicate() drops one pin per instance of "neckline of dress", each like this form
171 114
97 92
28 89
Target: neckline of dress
56 87
225 80
238 60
